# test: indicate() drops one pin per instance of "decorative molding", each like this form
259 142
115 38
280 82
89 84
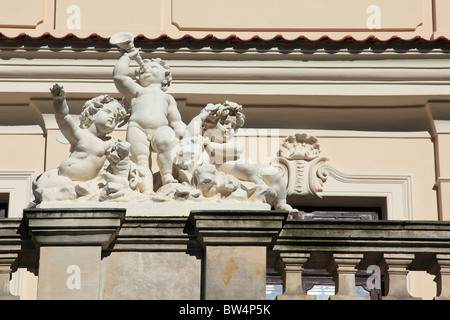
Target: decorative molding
236 15
19 17
74 227
314 176
396 189
441 180
18 185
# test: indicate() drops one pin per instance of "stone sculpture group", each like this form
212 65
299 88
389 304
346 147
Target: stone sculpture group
197 162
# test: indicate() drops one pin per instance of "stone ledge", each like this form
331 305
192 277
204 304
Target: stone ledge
74 227
10 238
152 234
222 227
368 236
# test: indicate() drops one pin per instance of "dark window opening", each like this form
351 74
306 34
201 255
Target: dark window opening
4 204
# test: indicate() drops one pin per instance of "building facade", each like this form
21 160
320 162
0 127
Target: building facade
369 81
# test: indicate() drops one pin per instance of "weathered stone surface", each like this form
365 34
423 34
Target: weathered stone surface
148 234
151 276
69 273
10 238
73 227
235 273
237 227
373 236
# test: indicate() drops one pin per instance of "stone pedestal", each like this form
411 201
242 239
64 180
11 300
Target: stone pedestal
153 258
71 244
235 272
235 245
69 273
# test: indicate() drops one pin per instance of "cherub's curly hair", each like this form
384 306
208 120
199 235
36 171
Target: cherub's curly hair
167 71
218 112
92 106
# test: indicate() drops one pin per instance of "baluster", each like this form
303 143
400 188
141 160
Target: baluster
6 261
293 266
398 270
345 282
443 277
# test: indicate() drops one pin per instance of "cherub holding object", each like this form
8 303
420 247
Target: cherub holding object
89 142
217 124
154 121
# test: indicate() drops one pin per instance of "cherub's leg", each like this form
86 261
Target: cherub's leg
140 155
50 187
273 178
163 142
242 171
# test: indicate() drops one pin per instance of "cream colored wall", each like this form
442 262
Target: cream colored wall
265 18
25 152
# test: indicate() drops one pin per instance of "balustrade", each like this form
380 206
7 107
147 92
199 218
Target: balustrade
391 248
381 253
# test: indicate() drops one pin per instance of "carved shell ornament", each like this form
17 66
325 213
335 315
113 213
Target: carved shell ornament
300 147
300 164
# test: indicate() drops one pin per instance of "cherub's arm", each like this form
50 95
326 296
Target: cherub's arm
124 83
174 117
229 150
195 126
66 124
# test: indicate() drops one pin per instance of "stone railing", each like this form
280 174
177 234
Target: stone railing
217 254
343 248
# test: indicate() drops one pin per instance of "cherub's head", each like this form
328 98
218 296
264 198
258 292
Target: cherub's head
103 111
154 71
226 117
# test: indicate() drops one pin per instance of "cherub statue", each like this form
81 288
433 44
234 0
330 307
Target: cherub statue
89 145
122 177
215 127
154 120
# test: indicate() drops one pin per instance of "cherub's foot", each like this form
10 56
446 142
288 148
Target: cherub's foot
286 207
148 192
168 178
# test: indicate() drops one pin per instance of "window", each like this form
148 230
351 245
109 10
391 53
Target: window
4 204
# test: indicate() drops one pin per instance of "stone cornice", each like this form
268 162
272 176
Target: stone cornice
237 227
370 236
74 227
153 234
